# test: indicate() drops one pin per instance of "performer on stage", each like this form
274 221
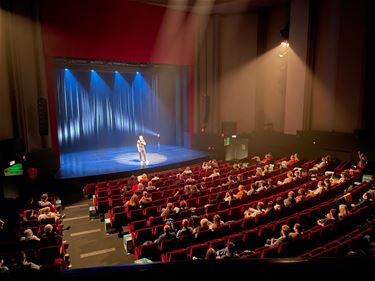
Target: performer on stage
141 145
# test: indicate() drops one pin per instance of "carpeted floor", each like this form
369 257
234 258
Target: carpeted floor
89 244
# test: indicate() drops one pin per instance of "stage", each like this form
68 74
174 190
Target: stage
120 160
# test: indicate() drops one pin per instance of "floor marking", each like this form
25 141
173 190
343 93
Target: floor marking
75 218
76 206
85 232
95 253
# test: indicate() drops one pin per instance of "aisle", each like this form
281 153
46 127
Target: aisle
89 244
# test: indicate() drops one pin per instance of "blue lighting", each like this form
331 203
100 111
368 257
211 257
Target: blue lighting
112 108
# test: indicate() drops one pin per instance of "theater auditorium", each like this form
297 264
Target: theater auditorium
186 137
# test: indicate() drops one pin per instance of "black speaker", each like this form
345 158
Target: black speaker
206 114
229 128
43 116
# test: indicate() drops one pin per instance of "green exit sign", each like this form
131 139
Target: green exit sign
15 170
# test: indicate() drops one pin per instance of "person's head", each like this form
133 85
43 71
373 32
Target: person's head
2 223
134 199
44 197
28 233
297 228
183 204
170 206
301 191
145 194
141 138
204 223
343 209
231 248
167 229
217 219
185 223
367 196
260 206
211 254
333 213
20 257
48 228
285 230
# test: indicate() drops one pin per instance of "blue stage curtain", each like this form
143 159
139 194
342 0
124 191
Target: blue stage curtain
110 108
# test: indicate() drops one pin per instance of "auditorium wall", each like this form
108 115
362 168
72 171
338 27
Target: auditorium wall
22 73
338 85
237 70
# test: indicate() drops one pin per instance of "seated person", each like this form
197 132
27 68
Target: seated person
43 202
343 212
229 196
145 199
230 180
236 167
206 166
215 173
46 213
284 236
186 230
252 213
357 170
318 191
150 186
167 234
241 192
321 165
366 200
187 171
167 211
48 231
211 254
288 179
331 217
229 252
22 265
183 207
204 225
132 203
217 222
259 172
298 231
29 235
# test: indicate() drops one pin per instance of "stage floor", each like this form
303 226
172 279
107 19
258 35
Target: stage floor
122 159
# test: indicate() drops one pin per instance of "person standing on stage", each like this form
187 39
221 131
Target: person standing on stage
141 145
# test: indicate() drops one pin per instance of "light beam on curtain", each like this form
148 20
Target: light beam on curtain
98 109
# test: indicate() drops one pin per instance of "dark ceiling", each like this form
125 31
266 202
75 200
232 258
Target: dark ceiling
217 6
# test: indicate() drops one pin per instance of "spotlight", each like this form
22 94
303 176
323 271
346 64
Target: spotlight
11 163
92 70
234 136
285 43
116 71
66 69
158 135
137 72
